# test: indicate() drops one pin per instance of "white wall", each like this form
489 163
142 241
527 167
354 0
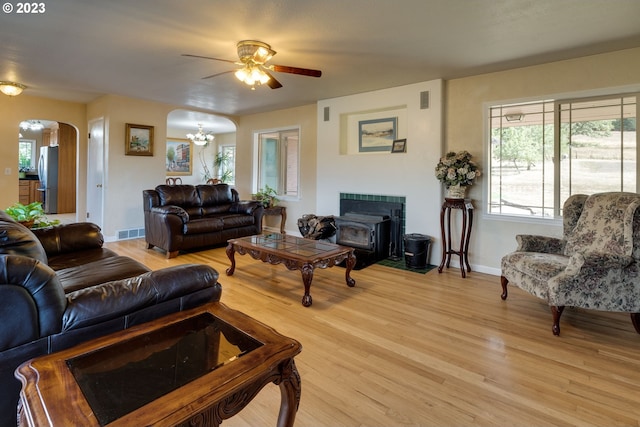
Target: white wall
410 174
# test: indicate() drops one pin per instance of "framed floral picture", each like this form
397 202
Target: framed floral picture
138 140
179 157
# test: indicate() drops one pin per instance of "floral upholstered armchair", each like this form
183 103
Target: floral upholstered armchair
596 265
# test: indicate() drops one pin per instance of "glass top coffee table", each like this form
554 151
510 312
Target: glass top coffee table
195 367
295 253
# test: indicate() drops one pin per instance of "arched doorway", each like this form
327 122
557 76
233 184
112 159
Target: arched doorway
203 157
52 181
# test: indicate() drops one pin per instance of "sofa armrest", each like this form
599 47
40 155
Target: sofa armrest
247 207
117 298
171 210
33 300
67 238
543 244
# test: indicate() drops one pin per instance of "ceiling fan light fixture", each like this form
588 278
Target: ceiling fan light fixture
262 55
255 51
200 138
242 74
252 75
12 88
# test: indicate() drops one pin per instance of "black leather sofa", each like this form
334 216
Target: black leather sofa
59 287
182 217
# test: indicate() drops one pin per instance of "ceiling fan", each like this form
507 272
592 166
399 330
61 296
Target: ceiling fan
253 56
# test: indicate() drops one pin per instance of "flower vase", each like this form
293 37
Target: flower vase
456 192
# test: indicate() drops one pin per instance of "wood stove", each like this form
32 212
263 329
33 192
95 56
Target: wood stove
372 227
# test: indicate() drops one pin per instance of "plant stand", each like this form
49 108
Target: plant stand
466 206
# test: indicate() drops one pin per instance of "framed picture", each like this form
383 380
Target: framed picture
138 140
376 135
399 146
179 157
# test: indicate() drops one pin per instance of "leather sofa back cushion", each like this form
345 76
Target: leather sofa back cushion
16 239
184 196
214 195
79 236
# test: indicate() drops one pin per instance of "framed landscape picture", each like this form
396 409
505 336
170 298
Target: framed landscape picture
179 157
377 134
138 140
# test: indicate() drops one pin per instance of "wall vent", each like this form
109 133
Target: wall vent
132 233
326 114
424 100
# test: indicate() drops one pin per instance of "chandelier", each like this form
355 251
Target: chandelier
200 138
31 125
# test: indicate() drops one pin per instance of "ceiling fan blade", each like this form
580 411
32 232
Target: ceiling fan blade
215 59
218 74
272 82
296 70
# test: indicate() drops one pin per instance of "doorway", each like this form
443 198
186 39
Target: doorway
95 172
48 133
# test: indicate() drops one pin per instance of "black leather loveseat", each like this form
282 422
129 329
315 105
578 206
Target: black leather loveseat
59 287
181 217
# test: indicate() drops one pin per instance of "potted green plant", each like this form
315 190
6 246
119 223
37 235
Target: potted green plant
31 215
267 196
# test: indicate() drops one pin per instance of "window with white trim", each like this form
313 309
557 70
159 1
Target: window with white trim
542 152
278 161
27 155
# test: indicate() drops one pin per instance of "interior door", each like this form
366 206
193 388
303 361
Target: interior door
95 173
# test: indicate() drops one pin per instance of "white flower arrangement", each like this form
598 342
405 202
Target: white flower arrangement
457 169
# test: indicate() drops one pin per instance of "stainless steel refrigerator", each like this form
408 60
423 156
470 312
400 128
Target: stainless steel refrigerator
48 175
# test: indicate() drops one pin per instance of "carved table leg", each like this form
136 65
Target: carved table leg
290 395
351 262
307 277
231 254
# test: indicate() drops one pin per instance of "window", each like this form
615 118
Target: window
542 152
228 163
26 155
278 161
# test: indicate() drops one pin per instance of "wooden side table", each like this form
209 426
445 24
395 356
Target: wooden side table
280 211
466 206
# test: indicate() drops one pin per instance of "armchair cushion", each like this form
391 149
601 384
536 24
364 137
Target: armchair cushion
544 244
605 225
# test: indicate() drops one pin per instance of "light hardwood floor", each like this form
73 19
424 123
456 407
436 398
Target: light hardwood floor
409 349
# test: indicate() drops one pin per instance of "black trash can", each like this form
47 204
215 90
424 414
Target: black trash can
416 248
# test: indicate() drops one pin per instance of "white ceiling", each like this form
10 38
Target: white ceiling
78 50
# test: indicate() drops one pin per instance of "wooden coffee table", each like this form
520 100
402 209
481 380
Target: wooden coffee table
295 253
196 367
